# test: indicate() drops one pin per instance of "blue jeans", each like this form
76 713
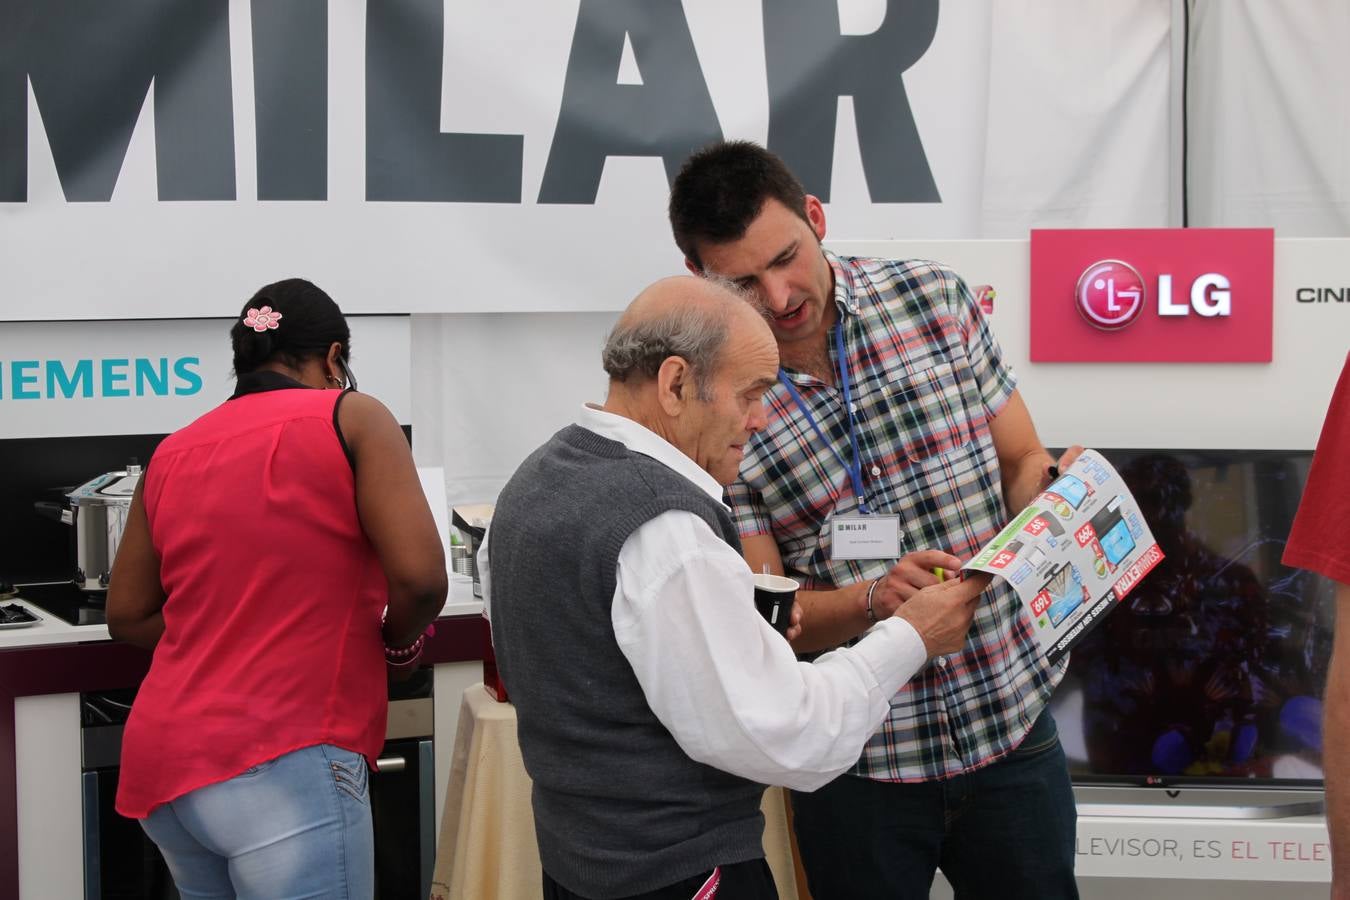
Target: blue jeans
295 826
1006 830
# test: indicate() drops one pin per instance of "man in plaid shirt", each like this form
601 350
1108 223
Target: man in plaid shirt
895 418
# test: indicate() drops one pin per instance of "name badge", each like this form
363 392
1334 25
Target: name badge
865 537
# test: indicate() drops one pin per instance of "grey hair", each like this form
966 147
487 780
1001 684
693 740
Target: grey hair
695 333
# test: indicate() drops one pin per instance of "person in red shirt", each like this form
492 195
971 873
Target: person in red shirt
279 557
1320 542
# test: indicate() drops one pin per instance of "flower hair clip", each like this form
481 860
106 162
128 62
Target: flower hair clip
261 320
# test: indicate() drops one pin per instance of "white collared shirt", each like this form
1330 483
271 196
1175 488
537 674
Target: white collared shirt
726 685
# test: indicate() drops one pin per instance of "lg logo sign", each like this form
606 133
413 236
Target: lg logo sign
1111 294
1152 295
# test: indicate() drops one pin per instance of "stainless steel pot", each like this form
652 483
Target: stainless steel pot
98 515
472 522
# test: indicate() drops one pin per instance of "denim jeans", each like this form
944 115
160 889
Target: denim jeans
294 826
1006 831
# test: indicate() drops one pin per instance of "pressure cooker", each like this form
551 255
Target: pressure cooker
97 513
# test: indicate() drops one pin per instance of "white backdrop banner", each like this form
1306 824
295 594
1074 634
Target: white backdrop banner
72 379
164 159
1268 108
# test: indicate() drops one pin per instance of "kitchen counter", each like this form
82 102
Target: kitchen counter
49 630
43 669
52 630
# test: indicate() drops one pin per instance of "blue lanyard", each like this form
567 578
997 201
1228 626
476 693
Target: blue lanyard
854 470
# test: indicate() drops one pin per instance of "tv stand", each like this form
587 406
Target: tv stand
1196 802
1215 834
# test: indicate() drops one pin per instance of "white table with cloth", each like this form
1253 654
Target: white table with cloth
487 848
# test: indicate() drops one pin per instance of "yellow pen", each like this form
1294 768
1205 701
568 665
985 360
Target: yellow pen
941 574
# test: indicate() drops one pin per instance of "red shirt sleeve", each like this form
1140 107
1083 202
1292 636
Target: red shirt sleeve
1320 538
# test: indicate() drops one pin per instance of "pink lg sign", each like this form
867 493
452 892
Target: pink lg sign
1152 295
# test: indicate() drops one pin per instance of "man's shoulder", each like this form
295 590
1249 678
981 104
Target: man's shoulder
610 464
892 282
620 487
880 269
658 477
907 289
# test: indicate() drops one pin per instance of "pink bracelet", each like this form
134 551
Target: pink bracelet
406 656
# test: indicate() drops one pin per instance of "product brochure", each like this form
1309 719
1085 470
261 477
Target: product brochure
1075 552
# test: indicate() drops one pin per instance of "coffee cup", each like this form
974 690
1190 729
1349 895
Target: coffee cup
774 595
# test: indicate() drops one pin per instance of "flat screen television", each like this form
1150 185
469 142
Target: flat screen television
1212 670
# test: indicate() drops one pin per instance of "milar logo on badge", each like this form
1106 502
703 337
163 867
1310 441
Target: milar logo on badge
865 537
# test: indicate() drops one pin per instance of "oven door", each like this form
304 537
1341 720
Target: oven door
403 808
120 862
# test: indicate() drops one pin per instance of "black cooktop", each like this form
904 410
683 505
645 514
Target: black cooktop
65 601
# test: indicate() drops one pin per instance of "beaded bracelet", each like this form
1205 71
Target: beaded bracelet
406 656
871 589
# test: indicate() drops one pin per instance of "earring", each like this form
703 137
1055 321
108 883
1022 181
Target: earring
336 381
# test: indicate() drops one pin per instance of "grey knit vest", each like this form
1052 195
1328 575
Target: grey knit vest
619 808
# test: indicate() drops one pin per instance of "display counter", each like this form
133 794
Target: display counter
1209 848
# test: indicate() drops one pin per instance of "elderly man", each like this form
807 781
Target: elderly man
653 700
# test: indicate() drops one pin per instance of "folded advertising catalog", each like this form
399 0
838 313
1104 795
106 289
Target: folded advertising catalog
1075 552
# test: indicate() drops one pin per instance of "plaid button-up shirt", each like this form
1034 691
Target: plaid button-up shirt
928 377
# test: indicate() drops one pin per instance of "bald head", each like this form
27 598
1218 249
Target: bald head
704 296
691 360
692 318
